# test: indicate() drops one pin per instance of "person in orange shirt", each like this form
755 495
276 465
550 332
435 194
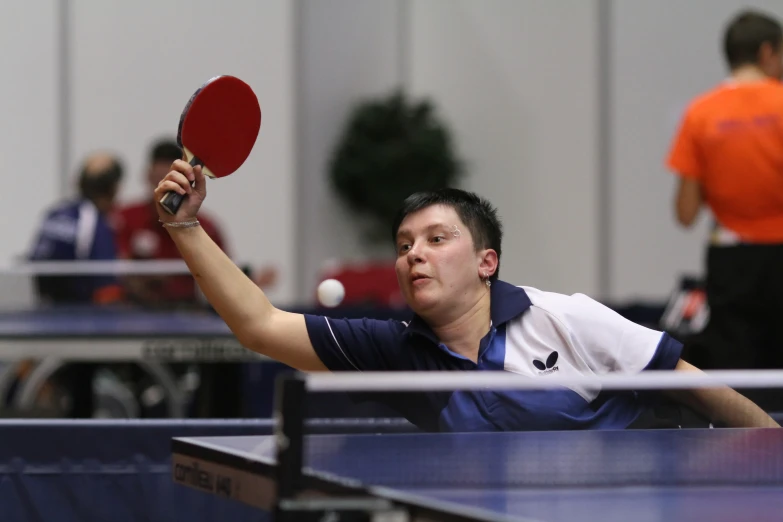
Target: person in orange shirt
728 156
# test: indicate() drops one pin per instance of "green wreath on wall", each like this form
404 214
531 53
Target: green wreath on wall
390 148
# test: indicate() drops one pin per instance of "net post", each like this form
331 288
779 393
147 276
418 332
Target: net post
290 395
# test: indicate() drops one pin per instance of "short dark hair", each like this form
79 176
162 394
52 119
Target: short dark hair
165 150
746 33
477 213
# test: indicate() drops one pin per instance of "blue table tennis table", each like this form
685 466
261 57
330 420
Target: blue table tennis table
152 339
90 333
607 476
99 333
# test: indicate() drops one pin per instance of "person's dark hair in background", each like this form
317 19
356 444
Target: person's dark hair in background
749 38
161 155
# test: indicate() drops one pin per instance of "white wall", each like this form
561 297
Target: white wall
135 64
348 49
527 134
662 54
522 84
517 80
30 108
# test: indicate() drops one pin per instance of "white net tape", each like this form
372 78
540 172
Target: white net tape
448 381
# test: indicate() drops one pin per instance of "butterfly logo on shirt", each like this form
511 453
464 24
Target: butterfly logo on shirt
547 367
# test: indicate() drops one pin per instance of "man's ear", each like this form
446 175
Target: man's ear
488 262
766 51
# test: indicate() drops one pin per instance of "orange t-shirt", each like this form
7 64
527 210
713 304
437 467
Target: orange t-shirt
731 141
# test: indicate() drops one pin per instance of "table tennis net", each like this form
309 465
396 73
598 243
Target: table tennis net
667 441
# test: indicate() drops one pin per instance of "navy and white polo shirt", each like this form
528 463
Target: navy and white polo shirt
533 333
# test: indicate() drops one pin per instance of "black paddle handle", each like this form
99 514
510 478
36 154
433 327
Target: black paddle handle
171 201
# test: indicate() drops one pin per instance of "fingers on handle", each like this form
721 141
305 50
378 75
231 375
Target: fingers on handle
182 166
200 183
178 178
166 186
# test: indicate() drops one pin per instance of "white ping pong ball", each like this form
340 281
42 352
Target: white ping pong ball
330 292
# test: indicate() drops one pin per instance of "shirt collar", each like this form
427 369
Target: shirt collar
506 302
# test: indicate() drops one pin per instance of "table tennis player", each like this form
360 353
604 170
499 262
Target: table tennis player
448 246
727 157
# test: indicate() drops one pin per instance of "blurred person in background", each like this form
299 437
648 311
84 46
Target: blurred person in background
75 230
728 156
140 236
80 230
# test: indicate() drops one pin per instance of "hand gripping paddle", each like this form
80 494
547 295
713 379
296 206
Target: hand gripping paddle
217 130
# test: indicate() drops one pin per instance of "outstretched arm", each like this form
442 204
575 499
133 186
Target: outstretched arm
256 323
722 404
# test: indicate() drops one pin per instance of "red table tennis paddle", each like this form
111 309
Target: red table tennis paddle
217 130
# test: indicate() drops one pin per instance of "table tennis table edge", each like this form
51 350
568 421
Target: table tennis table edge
127 348
203 456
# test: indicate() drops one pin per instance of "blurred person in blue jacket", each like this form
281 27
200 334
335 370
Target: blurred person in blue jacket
80 229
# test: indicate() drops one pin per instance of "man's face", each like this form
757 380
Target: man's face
435 266
157 171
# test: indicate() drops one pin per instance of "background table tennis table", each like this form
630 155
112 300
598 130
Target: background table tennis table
152 338
614 475
118 333
157 338
101 333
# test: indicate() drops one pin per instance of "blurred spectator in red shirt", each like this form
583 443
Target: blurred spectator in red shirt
141 236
